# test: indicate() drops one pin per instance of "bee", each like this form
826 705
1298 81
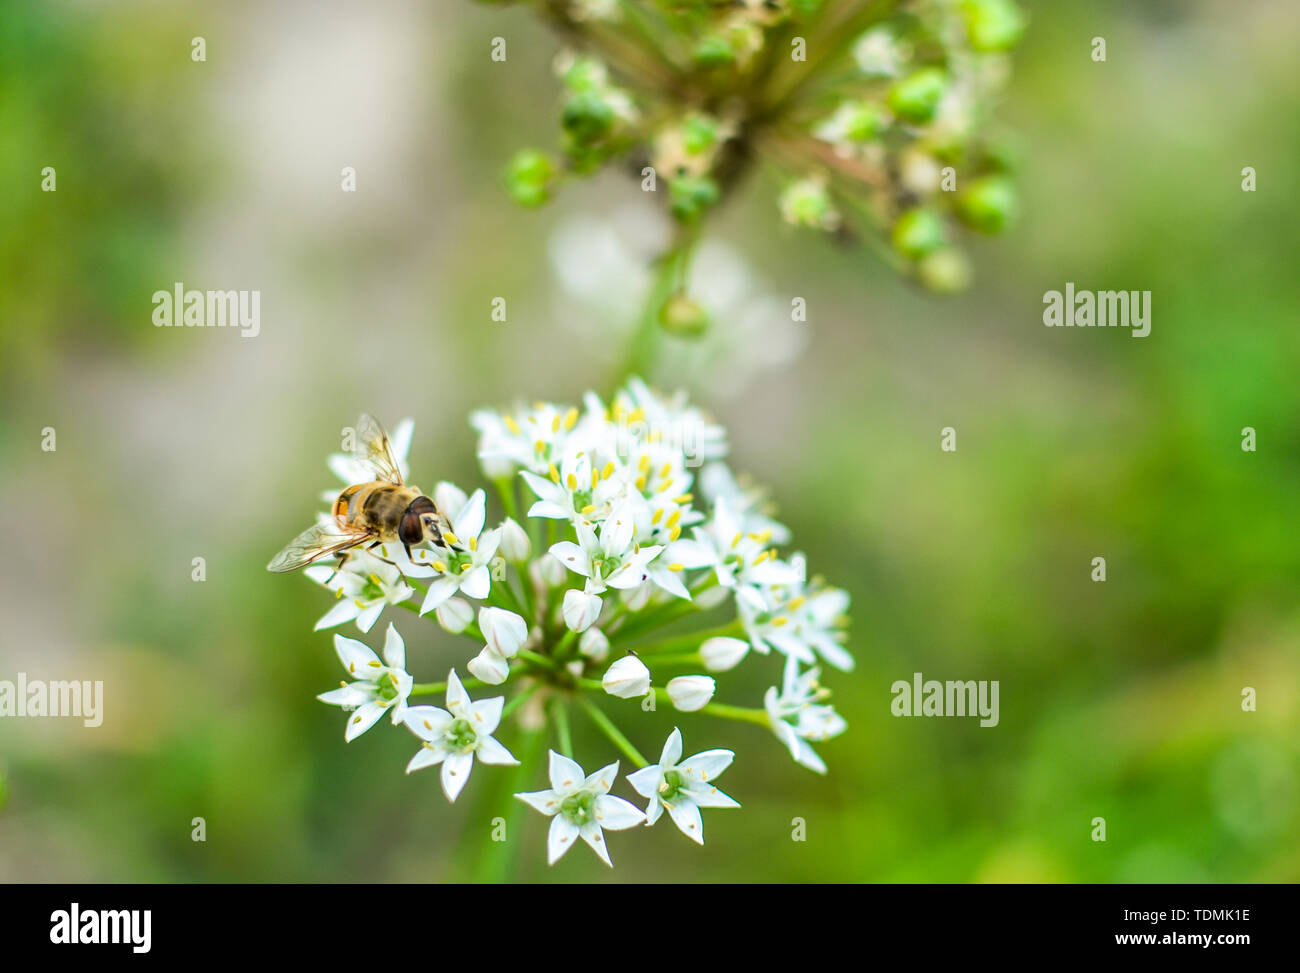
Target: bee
381 511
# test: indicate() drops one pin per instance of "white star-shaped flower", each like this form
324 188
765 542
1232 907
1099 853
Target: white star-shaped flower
363 585
683 786
377 687
581 807
456 735
610 559
798 714
578 490
464 567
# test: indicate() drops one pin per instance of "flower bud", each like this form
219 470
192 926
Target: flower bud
992 25
627 678
594 645
689 196
683 316
917 232
988 204
580 609
720 654
587 117
713 51
690 693
515 545
916 98
454 614
503 631
489 666
945 271
808 203
548 571
879 54
528 177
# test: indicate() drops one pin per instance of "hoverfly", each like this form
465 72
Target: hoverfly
380 511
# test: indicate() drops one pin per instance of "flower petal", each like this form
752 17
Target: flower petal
560 838
616 814
455 774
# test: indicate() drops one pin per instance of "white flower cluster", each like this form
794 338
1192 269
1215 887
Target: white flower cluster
632 522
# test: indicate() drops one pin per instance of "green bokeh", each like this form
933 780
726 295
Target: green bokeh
1119 700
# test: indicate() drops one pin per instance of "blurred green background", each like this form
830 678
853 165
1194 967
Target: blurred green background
1119 700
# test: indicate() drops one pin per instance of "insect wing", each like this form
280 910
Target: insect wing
314 543
375 450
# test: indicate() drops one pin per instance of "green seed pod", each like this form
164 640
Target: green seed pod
714 52
864 120
699 134
918 232
993 25
808 203
528 177
691 195
587 117
683 316
944 271
916 98
989 204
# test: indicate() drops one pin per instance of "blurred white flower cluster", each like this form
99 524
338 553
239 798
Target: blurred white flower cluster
621 519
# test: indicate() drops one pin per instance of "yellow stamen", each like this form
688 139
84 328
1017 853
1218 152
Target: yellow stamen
640 482
473 543
677 566
511 424
796 603
450 538
555 474
572 481
684 498
673 517
778 622
643 464
555 424
570 418
665 469
589 508
657 515
608 471
736 540
440 567
665 486
675 533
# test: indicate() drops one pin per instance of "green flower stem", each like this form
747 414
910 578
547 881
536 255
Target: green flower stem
564 740
427 688
743 714
566 642
688 642
500 861
606 726
687 659
503 595
657 618
523 696
506 491
670 272
546 662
